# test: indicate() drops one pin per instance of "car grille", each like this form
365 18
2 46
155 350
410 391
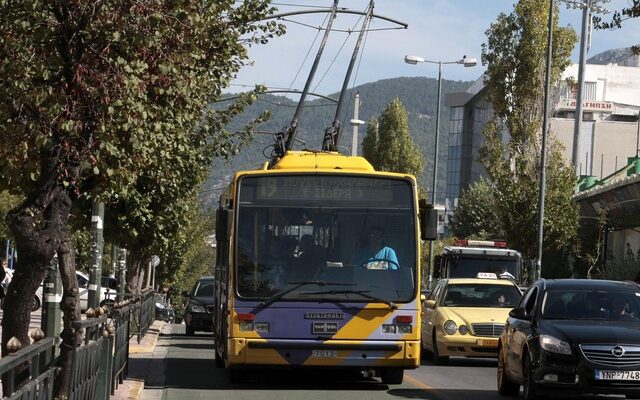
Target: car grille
604 354
487 330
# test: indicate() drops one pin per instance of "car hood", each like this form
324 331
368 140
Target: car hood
472 315
205 301
592 331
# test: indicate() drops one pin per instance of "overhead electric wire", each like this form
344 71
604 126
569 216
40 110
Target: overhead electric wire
309 51
338 53
355 77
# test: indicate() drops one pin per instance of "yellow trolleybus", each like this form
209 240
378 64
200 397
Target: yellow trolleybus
318 265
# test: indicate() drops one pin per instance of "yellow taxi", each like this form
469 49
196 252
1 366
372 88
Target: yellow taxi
465 317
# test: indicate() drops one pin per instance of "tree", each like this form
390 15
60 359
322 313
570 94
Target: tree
477 213
390 146
515 55
93 94
618 18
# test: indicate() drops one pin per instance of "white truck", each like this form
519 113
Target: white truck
468 258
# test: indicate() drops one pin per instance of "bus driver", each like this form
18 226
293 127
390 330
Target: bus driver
377 255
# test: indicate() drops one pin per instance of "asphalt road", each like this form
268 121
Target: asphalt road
189 372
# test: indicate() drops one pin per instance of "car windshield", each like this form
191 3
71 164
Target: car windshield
354 231
204 288
576 304
481 295
469 267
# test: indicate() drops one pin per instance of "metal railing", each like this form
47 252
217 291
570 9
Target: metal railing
147 313
120 318
28 373
92 360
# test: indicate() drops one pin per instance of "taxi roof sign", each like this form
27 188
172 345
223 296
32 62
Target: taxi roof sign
486 275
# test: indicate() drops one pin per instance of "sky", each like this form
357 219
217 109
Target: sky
438 30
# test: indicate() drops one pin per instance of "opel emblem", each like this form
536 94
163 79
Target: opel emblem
617 351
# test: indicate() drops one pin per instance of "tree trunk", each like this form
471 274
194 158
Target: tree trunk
136 268
36 225
70 307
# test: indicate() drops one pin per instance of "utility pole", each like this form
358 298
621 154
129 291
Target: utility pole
586 14
545 129
97 245
355 122
50 322
122 273
587 7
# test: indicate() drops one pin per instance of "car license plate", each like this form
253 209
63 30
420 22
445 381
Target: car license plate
612 375
324 353
488 342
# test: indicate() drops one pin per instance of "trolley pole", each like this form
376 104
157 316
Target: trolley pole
50 323
97 245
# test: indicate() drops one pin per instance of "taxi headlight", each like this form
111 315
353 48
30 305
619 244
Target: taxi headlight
463 330
450 327
554 345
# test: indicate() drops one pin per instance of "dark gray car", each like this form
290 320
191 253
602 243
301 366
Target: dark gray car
198 314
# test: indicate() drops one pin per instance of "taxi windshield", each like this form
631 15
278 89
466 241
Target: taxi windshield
481 295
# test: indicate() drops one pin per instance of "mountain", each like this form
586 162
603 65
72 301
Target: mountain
418 95
614 56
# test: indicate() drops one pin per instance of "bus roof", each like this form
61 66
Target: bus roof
322 161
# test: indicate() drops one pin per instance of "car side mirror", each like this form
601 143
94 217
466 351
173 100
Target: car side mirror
519 313
430 304
423 297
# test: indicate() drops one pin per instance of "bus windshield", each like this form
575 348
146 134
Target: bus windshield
352 238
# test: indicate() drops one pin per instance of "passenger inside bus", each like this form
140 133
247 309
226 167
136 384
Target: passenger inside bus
308 263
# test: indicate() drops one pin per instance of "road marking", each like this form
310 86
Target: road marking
416 382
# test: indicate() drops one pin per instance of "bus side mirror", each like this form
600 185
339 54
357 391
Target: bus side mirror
428 221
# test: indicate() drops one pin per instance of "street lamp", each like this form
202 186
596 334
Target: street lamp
414 60
588 7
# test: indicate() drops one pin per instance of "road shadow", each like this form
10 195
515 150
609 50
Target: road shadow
202 374
464 362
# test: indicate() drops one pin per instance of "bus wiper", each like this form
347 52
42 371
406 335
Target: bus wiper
362 293
285 292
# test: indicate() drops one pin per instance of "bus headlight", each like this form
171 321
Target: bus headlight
388 328
262 327
450 327
246 326
404 328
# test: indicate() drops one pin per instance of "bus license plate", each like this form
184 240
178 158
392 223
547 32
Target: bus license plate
488 342
609 375
325 353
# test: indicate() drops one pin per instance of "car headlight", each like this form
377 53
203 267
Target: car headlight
450 327
554 345
196 308
463 330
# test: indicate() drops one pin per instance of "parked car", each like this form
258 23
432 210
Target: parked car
198 313
164 310
572 336
465 316
107 295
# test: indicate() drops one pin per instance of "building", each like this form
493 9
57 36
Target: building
608 133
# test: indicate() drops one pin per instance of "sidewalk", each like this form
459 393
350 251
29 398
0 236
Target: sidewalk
140 357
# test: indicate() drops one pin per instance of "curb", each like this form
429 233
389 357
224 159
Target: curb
132 387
